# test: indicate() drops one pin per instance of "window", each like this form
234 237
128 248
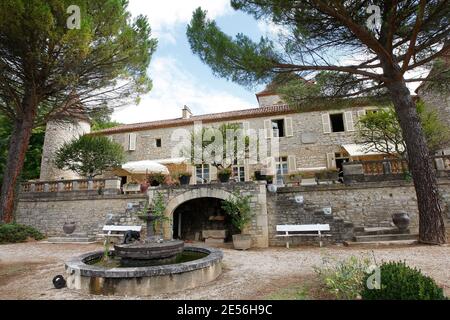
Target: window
278 128
202 173
158 143
238 172
281 166
337 122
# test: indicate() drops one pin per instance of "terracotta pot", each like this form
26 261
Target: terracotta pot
69 227
401 220
242 241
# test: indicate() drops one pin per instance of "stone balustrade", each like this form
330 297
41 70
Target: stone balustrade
107 186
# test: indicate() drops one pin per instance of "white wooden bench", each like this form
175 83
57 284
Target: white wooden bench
120 229
291 230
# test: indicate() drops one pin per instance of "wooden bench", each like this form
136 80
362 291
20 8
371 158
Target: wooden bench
292 230
120 229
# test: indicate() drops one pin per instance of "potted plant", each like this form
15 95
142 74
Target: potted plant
269 179
156 179
238 207
224 175
184 177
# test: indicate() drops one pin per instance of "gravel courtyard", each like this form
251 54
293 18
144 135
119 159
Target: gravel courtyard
27 269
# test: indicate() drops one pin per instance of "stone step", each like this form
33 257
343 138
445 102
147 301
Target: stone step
386 237
381 243
71 240
380 231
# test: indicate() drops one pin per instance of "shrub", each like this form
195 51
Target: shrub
343 278
400 282
238 207
12 233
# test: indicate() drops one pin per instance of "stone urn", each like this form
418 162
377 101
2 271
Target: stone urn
401 220
69 227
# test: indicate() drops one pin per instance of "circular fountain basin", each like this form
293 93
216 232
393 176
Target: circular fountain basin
87 277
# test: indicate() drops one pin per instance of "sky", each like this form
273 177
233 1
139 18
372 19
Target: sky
179 77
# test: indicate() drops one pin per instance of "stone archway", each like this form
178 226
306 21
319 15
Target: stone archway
176 201
175 196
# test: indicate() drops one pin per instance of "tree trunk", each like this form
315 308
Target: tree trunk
18 147
431 221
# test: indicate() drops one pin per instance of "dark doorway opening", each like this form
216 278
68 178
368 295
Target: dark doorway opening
194 216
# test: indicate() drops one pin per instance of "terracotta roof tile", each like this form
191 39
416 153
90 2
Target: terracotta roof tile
212 117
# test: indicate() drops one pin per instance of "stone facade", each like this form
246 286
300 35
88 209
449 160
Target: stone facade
178 195
308 144
440 103
56 134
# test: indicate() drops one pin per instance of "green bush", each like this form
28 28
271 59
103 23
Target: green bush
400 282
12 233
343 278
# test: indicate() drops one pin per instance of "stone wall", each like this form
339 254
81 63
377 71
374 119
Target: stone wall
368 204
48 215
363 204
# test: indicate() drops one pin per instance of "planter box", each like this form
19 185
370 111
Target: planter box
242 241
131 188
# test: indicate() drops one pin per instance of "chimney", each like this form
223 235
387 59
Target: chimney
186 112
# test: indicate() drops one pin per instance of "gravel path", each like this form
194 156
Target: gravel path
27 269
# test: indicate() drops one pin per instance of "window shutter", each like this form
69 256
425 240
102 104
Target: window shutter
326 123
212 173
246 126
361 113
349 125
292 164
268 129
194 175
288 126
132 142
247 170
271 166
331 161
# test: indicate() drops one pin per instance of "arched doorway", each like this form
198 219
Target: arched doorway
194 216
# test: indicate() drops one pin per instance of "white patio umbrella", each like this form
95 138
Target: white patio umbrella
145 166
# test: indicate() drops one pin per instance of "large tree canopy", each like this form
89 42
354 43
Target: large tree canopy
49 66
344 49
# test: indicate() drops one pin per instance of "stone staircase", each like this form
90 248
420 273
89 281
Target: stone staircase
382 236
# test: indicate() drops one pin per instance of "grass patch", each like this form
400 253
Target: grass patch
295 292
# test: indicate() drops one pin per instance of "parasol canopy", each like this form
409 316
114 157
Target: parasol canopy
145 166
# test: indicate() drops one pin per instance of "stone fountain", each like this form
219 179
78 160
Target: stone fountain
152 251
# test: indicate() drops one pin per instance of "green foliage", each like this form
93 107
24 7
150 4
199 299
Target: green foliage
343 278
238 208
12 233
90 155
210 146
400 282
381 130
230 58
101 118
32 164
156 179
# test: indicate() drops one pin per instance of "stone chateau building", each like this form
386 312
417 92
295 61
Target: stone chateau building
308 141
